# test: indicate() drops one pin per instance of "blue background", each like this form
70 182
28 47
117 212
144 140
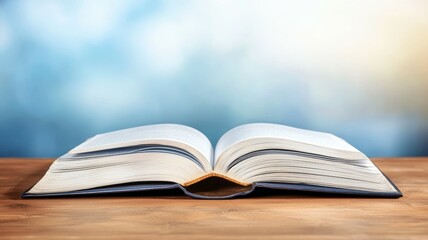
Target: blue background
72 69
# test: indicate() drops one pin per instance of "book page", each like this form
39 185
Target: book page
176 135
268 130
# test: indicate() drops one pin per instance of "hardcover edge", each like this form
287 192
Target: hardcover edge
268 185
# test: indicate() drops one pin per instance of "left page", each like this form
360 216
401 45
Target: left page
175 135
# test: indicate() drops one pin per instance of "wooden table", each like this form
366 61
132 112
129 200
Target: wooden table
288 216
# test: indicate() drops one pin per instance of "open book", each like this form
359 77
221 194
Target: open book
258 155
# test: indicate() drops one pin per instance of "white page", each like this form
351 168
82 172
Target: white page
165 134
268 130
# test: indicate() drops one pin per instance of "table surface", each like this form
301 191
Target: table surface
287 216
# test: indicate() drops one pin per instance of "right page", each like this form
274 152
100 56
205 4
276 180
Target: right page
268 130
263 152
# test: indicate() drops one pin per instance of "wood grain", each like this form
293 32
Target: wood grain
288 216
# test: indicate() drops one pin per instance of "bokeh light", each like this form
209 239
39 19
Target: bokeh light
72 69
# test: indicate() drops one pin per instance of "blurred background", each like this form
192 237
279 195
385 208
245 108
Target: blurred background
73 69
